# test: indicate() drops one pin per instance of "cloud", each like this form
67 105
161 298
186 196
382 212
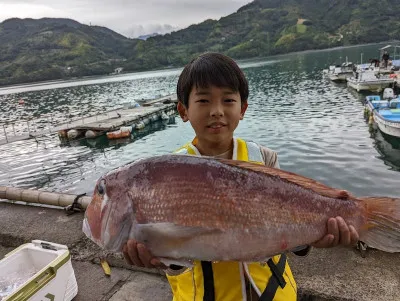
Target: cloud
129 17
27 10
138 30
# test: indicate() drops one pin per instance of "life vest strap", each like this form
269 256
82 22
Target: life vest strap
276 279
254 152
208 280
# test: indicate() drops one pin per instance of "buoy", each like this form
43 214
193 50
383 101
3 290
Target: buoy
72 134
140 125
164 116
62 134
126 128
90 134
123 132
21 101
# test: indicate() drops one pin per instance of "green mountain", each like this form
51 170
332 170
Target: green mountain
33 50
265 27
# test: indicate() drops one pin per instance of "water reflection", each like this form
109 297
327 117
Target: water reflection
388 147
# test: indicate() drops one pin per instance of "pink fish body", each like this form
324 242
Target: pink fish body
198 208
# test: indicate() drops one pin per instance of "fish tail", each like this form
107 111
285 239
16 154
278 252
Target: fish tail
383 224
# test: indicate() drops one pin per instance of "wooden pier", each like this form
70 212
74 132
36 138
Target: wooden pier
133 117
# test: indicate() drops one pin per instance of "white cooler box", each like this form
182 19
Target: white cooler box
38 271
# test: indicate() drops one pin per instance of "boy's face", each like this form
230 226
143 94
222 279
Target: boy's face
214 113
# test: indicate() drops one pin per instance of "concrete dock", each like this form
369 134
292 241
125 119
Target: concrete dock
325 275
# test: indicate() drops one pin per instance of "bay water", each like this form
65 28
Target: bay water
317 127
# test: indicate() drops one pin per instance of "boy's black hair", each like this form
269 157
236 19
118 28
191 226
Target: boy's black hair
211 69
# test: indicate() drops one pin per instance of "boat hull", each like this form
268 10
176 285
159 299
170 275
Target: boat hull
340 77
369 85
388 127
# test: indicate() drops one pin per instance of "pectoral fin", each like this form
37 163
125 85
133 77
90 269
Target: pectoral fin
169 241
170 230
168 234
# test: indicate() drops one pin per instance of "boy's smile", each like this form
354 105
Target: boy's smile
214 114
215 127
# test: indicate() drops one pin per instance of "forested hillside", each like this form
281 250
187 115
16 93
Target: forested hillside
32 50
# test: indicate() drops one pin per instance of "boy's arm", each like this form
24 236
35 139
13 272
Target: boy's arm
270 157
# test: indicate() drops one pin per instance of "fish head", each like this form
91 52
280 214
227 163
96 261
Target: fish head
108 218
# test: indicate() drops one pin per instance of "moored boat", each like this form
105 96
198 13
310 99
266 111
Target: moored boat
385 113
369 80
341 73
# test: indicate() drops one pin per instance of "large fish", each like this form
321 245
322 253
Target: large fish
186 207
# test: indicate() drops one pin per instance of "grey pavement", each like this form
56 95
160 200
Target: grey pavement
93 285
324 275
143 287
342 274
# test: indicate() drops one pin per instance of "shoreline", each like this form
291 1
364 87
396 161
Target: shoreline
244 60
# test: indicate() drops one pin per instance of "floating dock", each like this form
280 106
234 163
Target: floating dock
115 123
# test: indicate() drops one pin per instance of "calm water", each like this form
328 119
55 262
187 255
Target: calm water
316 127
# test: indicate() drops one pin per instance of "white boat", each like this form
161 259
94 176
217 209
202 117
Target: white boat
341 73
329 71
385 113
369 80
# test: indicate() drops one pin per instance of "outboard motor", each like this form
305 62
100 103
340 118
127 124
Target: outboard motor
394 104
388 93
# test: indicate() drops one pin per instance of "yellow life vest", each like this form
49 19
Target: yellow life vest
225 281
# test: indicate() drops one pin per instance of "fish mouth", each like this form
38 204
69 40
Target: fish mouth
88 232
108 227
105 235
114 236
116 243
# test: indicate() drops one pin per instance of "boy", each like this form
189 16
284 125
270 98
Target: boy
212 93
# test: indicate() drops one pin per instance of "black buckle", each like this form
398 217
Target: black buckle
75 206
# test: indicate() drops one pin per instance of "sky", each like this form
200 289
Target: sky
128 17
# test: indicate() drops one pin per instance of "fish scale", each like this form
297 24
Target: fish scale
236 209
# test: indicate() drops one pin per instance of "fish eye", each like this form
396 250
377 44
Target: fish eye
101 188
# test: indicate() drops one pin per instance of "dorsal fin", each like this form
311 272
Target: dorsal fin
304 182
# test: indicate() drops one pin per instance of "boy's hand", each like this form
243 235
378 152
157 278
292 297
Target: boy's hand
339 233
137 254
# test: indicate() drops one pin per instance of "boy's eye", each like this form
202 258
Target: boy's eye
230 100
202 101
